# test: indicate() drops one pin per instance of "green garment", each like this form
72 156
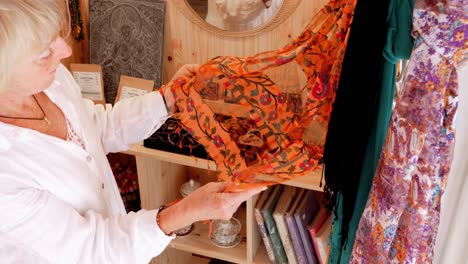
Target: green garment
398 46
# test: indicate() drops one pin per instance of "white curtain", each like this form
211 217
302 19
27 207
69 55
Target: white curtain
452 238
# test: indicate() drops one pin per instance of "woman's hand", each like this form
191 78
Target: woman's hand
207 202
169 100
187 70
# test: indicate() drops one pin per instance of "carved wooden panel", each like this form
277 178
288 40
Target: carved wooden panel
126 37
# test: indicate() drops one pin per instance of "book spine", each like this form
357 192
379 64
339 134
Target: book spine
315 244
275 238
284 235
264 235
323 217
313 231
296 240
321 239
306 241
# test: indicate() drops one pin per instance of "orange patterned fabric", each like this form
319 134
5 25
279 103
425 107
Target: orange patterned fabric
283 155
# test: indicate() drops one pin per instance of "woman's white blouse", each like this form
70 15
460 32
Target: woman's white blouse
59 203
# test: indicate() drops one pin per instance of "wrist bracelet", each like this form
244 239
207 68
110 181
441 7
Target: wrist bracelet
164 100
158 218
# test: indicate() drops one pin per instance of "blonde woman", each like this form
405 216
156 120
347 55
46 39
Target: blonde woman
59 202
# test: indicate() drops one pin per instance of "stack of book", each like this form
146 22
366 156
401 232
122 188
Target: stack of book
293 225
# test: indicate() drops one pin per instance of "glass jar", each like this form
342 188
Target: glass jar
189 187
226 233
185 190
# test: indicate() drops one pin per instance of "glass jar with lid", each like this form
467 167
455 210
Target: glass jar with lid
186 189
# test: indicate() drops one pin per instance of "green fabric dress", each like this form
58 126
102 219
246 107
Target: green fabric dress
399 46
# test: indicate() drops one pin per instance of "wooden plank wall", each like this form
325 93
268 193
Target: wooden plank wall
80 52
187 43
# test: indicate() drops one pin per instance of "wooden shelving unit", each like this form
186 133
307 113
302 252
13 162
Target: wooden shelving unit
160 175
139 150
310 181
199 243
261 256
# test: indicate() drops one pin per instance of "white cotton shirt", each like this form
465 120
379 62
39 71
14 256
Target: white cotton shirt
59 203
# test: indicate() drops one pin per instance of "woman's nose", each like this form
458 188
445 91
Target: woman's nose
61 48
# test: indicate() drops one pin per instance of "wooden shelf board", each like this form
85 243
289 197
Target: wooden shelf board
196 259
261 256
309 181
140 150
198 243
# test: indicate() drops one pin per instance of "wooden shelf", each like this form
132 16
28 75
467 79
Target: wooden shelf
199 243
309 181
261 257
141 151
160 174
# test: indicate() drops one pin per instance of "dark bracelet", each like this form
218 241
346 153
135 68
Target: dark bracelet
161 208
165 104
164 100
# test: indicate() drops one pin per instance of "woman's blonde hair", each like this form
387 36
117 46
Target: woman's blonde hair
26 28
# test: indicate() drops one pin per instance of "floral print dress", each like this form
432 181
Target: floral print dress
399 224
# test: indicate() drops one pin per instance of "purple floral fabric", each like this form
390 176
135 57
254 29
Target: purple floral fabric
399 224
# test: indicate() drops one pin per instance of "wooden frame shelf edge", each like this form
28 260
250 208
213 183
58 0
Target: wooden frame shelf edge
309 181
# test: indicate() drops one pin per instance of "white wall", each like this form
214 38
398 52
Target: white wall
452 239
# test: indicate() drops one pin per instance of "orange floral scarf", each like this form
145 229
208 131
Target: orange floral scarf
280 123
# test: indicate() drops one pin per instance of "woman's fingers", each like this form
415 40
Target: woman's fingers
186 70
232 201
239 197
192 68
216 186
211 202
